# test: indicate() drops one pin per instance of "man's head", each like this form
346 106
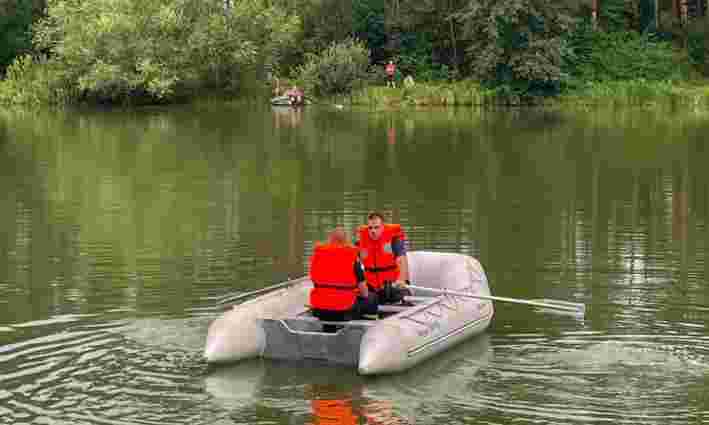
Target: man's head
375 225
338 236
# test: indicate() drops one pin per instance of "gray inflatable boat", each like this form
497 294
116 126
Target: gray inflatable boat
279 325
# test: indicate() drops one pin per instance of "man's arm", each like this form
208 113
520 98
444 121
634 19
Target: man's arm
399 248
403 263
363 289
361 281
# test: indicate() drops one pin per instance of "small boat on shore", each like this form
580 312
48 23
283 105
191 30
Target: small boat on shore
285 100
279 324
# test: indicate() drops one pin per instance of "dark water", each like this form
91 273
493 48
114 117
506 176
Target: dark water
120 230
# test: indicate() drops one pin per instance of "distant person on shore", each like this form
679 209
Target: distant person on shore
390 70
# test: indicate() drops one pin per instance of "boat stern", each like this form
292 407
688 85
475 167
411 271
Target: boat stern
233 337
384 349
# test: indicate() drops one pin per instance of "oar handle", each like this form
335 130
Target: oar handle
258 291
563 305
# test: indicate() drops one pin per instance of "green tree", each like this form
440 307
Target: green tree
517 44
369 26
430 36
131 50
336 69
15 38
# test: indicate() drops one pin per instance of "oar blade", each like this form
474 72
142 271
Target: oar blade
562 307
554 306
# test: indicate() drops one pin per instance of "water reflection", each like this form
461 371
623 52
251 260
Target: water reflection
176 197
329 395
287 117
154 214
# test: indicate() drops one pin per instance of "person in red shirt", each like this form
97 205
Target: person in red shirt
390 69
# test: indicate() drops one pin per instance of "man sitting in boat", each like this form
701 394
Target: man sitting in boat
382 250
339 288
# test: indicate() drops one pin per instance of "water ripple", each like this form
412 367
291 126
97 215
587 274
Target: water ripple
103 373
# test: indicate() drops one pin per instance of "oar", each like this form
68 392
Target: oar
566 306
314 101
234 298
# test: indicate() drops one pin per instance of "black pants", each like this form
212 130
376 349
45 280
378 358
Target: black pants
390 294
361 306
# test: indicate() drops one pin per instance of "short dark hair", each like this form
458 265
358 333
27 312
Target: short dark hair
375 214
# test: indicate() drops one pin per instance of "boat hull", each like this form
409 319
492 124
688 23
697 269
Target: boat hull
285 101
239 334
408 338
278 325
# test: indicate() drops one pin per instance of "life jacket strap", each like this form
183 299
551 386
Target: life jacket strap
380 269
342 287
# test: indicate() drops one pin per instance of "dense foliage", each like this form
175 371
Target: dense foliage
131 51
617 56
518 44
15 38
336 70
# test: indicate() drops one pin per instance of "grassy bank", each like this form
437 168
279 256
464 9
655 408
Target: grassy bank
464 93
467 93
640 93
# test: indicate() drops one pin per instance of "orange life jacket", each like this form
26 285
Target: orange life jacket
333 276
377 256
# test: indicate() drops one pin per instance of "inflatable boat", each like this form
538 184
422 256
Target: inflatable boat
279 324
285 101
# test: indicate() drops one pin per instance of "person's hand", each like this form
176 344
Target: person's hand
400 284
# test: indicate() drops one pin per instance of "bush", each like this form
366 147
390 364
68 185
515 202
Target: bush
601 56
32 82
415 59
336 70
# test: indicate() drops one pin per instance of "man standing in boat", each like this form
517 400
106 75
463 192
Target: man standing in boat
382 251
339 288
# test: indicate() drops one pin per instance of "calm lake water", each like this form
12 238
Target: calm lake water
120 230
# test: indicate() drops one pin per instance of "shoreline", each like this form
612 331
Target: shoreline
689 94
632 93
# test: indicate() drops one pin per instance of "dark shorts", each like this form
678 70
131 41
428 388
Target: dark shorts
390 77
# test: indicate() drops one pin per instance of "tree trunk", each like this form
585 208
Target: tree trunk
657 14
455 48
706 42
393 25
